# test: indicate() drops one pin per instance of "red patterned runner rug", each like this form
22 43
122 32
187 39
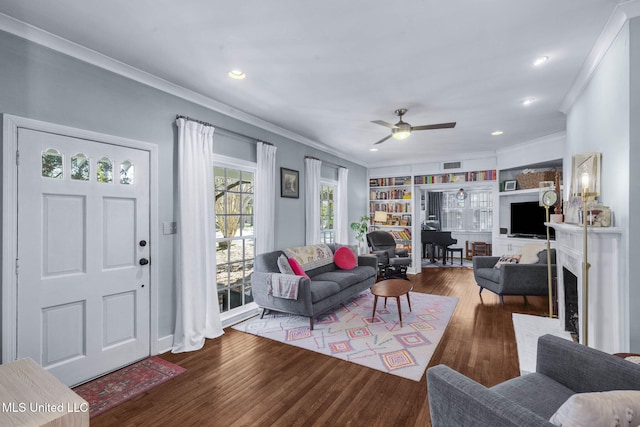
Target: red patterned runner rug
124 384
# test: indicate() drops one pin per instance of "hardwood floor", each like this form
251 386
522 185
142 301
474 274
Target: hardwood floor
244 380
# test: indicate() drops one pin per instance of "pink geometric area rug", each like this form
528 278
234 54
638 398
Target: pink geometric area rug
124 384
349 333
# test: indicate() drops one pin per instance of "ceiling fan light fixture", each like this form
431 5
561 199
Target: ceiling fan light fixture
402 131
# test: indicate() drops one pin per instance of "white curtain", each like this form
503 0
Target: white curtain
265 193
341 221
312 200
197 311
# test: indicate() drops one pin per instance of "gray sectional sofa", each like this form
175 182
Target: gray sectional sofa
563 369
326 287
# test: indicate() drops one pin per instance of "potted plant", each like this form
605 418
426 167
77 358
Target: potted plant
361 228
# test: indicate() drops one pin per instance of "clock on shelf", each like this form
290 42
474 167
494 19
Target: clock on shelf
549 198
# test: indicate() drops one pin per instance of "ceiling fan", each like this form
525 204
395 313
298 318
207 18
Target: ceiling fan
402 130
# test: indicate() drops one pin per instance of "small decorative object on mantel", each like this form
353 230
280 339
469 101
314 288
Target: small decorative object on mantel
557 209
600 216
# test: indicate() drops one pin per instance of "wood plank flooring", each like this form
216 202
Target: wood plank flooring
244 380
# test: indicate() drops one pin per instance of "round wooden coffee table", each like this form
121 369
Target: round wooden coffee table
391 288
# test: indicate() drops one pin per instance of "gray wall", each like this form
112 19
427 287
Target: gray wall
605 118
41 84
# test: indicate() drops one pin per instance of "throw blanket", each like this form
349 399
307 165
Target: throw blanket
311 256
283 285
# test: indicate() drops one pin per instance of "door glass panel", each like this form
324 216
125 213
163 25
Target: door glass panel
235 251
80 167
105 170
127 172
52 164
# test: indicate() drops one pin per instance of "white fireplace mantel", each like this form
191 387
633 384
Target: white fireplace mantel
607 310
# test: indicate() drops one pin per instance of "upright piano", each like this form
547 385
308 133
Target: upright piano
439 240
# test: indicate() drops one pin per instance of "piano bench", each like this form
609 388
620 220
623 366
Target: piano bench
452 250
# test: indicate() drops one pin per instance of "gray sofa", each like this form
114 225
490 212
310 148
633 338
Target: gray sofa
514 279
327 286
563 369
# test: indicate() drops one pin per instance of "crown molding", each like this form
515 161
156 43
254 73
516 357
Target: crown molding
75 50
621 14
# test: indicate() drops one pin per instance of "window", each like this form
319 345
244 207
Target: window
473 213
52 164
235 240
327 210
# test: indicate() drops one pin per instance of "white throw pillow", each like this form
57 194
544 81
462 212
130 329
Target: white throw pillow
283 265
607 408
529 253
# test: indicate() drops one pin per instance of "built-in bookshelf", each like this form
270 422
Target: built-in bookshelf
446 178
392 195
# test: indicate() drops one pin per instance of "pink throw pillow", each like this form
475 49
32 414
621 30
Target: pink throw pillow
345 259
297 269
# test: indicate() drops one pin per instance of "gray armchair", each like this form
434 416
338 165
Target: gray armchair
514 279
392 262
563 369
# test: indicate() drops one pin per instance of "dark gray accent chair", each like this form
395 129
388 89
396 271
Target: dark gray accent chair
563 369
391 261
326 287
514 279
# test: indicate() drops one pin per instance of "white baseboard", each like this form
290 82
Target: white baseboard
165 344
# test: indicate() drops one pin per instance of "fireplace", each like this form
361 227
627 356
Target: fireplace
608 315
571 315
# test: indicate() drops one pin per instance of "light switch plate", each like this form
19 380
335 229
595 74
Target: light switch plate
169 227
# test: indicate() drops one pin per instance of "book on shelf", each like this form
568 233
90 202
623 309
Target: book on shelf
390 207
389 182
446 178
401 234
396 194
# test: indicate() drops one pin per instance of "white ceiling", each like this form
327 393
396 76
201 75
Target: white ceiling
325 69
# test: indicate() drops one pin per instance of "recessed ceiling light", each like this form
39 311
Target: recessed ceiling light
540 60
528 101
237 74
373 149
497 132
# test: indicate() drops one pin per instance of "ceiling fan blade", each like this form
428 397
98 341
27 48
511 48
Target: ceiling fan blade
383 123
438 126
383 140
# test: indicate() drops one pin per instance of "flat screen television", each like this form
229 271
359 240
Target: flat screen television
527 220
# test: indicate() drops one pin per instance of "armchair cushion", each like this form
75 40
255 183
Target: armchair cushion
507 259
600 408
529 253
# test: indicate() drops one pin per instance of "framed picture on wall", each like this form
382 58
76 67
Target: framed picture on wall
289 183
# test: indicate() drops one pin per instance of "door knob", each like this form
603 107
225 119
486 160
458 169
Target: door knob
143 243
144 261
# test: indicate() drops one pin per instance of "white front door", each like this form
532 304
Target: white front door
83 244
